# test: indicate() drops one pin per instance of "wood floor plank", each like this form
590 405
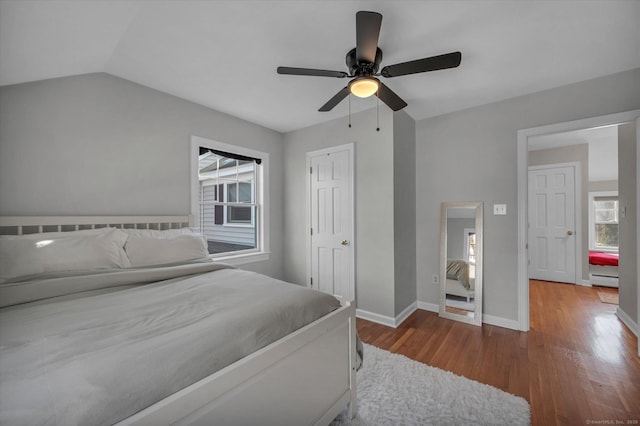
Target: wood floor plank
577 363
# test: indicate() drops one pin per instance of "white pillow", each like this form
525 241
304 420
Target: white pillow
55 252
153 233
158 251
167 233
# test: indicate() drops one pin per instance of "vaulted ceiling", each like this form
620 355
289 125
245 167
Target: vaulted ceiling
224 54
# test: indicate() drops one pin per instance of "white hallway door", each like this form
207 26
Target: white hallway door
552 218
331 245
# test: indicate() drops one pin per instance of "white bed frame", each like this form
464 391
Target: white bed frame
455 288
306 378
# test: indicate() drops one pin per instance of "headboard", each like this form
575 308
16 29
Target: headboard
22 225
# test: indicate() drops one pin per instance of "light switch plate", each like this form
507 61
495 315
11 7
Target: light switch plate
500 209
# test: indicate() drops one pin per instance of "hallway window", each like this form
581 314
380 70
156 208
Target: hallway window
604 217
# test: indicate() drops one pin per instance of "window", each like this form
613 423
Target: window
227 200
470 250
240 192
603 221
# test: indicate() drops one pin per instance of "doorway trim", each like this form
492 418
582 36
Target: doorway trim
523 184
352 274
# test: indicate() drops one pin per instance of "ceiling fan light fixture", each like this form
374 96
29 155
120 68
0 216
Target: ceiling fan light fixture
363 87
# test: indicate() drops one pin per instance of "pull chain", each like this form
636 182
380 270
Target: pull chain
377 110
349 110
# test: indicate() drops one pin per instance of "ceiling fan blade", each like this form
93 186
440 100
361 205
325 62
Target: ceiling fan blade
311 71
389 97
441 62
335 100
367 33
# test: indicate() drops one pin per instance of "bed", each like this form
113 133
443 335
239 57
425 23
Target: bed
130 341
603 268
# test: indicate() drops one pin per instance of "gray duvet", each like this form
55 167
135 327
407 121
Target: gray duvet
99 356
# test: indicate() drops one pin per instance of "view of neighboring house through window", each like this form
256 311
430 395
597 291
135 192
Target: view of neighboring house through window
227 197
605 223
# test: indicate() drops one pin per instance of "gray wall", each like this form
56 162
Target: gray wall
96 144
603 185
566 154
404 216
384 205
374 238
471 155
638 227
628 268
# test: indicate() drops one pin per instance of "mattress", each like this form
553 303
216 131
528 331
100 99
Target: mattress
106 345
603 259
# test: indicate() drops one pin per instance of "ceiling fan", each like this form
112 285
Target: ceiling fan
363 63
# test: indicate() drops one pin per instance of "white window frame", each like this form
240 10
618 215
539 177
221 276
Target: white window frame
261 252
592 219
467 242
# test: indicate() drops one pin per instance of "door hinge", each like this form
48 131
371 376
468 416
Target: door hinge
310 170
311 279
311 231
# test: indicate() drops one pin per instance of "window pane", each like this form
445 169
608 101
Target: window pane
606 211
239 214
227 180
607 205
605 216
232 192
607 235
245 192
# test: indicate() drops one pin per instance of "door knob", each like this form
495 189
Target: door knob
569 233
345 243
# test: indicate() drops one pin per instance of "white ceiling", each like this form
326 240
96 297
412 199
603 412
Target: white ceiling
224 54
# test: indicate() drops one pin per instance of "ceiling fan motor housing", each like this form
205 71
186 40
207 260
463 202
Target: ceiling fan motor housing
363 68
363 63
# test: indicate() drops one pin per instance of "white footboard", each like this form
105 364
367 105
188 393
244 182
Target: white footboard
305 378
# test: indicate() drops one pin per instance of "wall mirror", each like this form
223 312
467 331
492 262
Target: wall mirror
461 262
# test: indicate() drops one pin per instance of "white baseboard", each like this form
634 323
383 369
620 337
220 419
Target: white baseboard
426 306
500 322
385 320
405 313
626 319
373 317
431 307
487 319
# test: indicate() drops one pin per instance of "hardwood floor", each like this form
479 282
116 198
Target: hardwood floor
578 362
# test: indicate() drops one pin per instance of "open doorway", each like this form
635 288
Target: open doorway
572 206
524 136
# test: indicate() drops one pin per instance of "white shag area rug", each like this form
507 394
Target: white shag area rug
395 390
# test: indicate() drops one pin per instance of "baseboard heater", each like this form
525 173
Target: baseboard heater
603 280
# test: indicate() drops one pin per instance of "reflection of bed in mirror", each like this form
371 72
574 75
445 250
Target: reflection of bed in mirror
458 281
